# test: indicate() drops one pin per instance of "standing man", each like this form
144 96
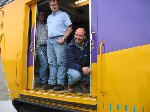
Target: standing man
79 22
78 61
41 45
59 29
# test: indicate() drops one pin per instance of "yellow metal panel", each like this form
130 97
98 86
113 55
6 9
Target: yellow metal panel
12 40
126 79
31 68
30 77
94 79
25 47
25 44
14 44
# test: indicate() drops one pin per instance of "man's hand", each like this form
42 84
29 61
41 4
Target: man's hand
61 41
86 70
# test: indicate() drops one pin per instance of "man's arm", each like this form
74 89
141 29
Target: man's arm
68 32
68 24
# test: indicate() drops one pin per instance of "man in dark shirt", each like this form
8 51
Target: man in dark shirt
79 22
78 60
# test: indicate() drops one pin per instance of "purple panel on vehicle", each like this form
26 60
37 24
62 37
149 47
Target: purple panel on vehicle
30 55
123 24
94 29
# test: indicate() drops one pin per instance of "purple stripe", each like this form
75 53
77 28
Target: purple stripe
94 29
30 55
123 23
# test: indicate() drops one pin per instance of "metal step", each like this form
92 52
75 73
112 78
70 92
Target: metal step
59 100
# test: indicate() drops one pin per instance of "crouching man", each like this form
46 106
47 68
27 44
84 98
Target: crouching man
78 61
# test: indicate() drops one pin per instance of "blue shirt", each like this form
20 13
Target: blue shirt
57 24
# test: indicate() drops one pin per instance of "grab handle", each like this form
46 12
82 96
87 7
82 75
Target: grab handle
101 67
17 81
2 12
1 16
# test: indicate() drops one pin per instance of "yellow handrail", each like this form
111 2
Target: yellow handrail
2 12
1 22
101 53
16 80
2 37
1 33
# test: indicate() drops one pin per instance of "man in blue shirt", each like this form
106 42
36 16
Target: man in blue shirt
59 29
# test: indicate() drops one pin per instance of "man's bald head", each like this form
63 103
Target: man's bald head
80 35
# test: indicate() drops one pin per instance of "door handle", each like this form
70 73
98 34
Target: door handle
93 33
92 41
92 44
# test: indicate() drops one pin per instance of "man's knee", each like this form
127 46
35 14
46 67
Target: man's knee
45 65
51 61
61 62
74 74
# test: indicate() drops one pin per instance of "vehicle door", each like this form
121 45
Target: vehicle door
31 46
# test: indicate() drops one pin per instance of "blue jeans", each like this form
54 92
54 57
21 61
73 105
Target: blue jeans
57 59
41 52
74 76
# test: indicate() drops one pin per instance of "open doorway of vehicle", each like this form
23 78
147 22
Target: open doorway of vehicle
72 9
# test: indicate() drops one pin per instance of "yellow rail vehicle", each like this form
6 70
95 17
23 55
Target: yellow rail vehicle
120 51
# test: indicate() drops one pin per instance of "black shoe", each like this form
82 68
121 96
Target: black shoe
84 88
59 87
45 86
71 88
51 86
